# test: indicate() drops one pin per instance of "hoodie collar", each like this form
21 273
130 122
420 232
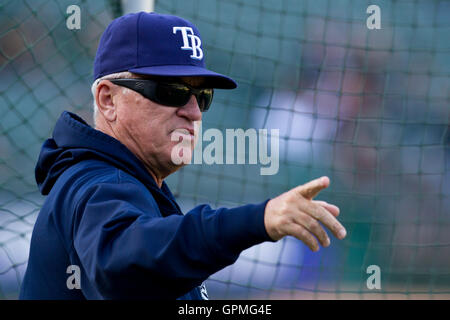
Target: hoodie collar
74 140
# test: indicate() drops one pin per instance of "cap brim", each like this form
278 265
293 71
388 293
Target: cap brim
215 80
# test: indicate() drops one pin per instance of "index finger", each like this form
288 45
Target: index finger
311 189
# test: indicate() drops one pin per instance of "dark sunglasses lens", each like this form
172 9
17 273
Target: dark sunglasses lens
205 99
168 95
175 95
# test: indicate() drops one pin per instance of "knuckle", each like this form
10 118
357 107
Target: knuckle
317 213
321 234
288 201
310 239
292 198
306 208
304 234
285 220
336 227
315 227
312 243
289 217
283 208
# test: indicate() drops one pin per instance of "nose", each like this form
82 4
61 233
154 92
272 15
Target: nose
190 110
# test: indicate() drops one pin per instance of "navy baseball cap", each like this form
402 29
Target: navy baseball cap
156 45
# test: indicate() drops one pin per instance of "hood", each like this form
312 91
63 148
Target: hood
74 140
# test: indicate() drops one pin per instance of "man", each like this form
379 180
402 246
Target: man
110 227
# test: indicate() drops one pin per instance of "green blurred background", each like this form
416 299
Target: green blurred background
368 108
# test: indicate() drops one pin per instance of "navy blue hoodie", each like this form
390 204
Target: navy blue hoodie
105 214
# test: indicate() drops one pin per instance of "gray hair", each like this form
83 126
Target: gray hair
119 75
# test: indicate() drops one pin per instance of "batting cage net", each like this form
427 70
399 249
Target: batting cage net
358 93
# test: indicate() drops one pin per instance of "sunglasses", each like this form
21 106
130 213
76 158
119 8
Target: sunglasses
168 94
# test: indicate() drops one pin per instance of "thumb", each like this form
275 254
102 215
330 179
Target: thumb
311 189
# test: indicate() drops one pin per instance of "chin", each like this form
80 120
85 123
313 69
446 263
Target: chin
179 158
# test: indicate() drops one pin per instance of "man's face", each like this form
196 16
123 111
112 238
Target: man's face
148 127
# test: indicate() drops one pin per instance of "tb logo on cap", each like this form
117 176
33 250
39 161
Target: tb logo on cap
195 42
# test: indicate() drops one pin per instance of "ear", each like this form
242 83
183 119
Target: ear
105 101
